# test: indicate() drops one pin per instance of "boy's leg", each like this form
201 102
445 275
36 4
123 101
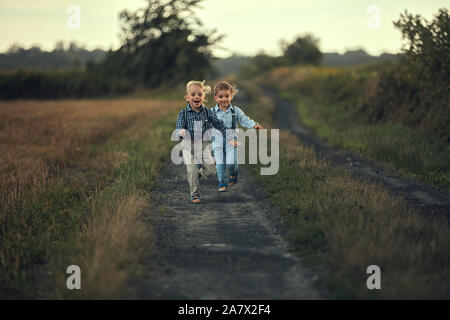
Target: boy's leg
219 156
221 172
192 172
221 169
233 170
232 164
208 161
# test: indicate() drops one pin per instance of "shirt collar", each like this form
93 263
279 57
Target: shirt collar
216 108
188 108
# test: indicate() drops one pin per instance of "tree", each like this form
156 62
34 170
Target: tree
162 43
14 48
303 50
59 46
415 91
427 48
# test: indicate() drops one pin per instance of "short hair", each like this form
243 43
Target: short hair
206 89
223 85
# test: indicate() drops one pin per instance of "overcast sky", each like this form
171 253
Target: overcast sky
250 26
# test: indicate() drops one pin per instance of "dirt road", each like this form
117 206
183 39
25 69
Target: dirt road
228 247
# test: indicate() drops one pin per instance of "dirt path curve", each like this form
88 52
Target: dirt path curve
228 247
424 198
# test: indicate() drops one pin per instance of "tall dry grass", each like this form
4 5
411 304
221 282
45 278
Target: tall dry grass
39 139
110 243
57 189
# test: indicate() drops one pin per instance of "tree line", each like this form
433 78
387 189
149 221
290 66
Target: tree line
163 43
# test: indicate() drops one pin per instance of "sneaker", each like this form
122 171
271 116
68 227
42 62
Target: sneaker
194 200
233 180
223 186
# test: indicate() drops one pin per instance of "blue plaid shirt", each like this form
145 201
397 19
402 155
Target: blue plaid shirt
206 116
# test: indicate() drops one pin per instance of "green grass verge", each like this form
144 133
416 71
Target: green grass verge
396 146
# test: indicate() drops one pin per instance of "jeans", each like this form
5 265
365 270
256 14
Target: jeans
226 157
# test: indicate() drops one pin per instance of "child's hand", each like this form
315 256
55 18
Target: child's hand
233 143
258 126
182 132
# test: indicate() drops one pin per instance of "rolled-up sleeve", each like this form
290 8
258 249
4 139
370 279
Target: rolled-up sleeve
243 119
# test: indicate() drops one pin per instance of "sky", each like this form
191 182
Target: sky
249 26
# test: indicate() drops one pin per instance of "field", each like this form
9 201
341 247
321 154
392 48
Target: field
74 178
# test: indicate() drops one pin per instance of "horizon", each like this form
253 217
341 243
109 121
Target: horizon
66 47
340 26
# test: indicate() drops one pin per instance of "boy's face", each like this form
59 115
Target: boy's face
223 98
195 96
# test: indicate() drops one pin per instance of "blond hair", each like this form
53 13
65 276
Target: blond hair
223 85
206 89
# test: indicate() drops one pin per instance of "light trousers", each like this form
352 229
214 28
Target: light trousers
194 158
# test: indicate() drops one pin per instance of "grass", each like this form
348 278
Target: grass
338 104
340 225
74 181
402 149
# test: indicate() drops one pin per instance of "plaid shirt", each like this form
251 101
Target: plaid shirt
211 121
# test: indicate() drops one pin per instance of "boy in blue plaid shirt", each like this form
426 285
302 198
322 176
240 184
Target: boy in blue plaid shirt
193 122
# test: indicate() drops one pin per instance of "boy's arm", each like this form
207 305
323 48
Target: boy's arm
243 119
181 124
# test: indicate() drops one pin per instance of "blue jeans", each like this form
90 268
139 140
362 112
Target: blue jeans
226 157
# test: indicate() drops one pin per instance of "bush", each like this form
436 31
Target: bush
27 84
